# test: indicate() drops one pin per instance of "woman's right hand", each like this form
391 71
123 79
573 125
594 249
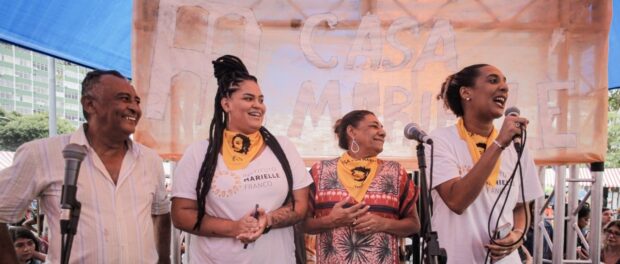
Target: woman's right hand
510 128
249 228
340 216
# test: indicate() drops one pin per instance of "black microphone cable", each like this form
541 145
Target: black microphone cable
509 186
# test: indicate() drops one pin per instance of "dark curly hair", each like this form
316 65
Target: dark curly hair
17 232
352 118
450 89
230 72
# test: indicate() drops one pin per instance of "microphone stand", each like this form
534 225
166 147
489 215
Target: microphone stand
69 226
433 253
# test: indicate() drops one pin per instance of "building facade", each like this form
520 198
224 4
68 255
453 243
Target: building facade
25 83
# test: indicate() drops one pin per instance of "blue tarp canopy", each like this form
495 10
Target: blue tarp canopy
92 33
614 49
97 33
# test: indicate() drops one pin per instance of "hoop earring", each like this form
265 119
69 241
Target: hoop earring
355 148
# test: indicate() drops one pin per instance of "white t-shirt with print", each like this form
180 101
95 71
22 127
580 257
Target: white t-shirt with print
233 194
464 236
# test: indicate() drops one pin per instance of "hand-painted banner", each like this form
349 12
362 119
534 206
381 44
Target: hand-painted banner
317 60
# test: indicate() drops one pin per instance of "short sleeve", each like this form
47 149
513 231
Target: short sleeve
301 177
314 172
161 203
444 166
187 170
408 193
21 182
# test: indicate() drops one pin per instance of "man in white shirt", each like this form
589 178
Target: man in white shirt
125 214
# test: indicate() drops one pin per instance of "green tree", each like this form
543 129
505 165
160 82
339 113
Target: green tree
613 130
16 129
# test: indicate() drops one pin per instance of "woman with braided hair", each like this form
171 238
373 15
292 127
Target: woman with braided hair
473 163
239 206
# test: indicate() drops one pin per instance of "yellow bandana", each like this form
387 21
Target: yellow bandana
239 149
475 151
356 174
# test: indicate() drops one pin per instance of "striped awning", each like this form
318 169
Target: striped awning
611 177
6 158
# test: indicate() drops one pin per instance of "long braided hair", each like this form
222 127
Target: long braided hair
229 72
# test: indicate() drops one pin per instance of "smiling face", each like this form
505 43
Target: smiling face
487 99
245 108
113 107
24 247
369 135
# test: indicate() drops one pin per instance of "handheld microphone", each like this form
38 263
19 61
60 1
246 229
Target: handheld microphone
73 154
514 111
413 131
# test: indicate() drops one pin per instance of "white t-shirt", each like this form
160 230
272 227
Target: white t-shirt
464 236
233 194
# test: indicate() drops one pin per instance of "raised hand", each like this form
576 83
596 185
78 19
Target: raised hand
510 128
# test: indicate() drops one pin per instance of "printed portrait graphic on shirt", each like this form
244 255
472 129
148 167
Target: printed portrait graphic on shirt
241 143
360 173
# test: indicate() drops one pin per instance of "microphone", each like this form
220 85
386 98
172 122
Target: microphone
73 154
514 111
413 131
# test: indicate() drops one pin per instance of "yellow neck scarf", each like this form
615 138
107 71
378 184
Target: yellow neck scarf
239 149
356 174
475 152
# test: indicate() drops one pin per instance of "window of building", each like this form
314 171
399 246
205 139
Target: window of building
72 117
5 45
22 74
23 86
6 82
40 90
23 110
6 95
6 106
42 66
25 98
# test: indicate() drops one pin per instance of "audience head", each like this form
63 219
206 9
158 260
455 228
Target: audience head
25 243
606 216
612 234
583 216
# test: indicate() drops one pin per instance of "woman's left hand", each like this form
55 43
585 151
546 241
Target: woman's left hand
249 237
369 224
499 251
